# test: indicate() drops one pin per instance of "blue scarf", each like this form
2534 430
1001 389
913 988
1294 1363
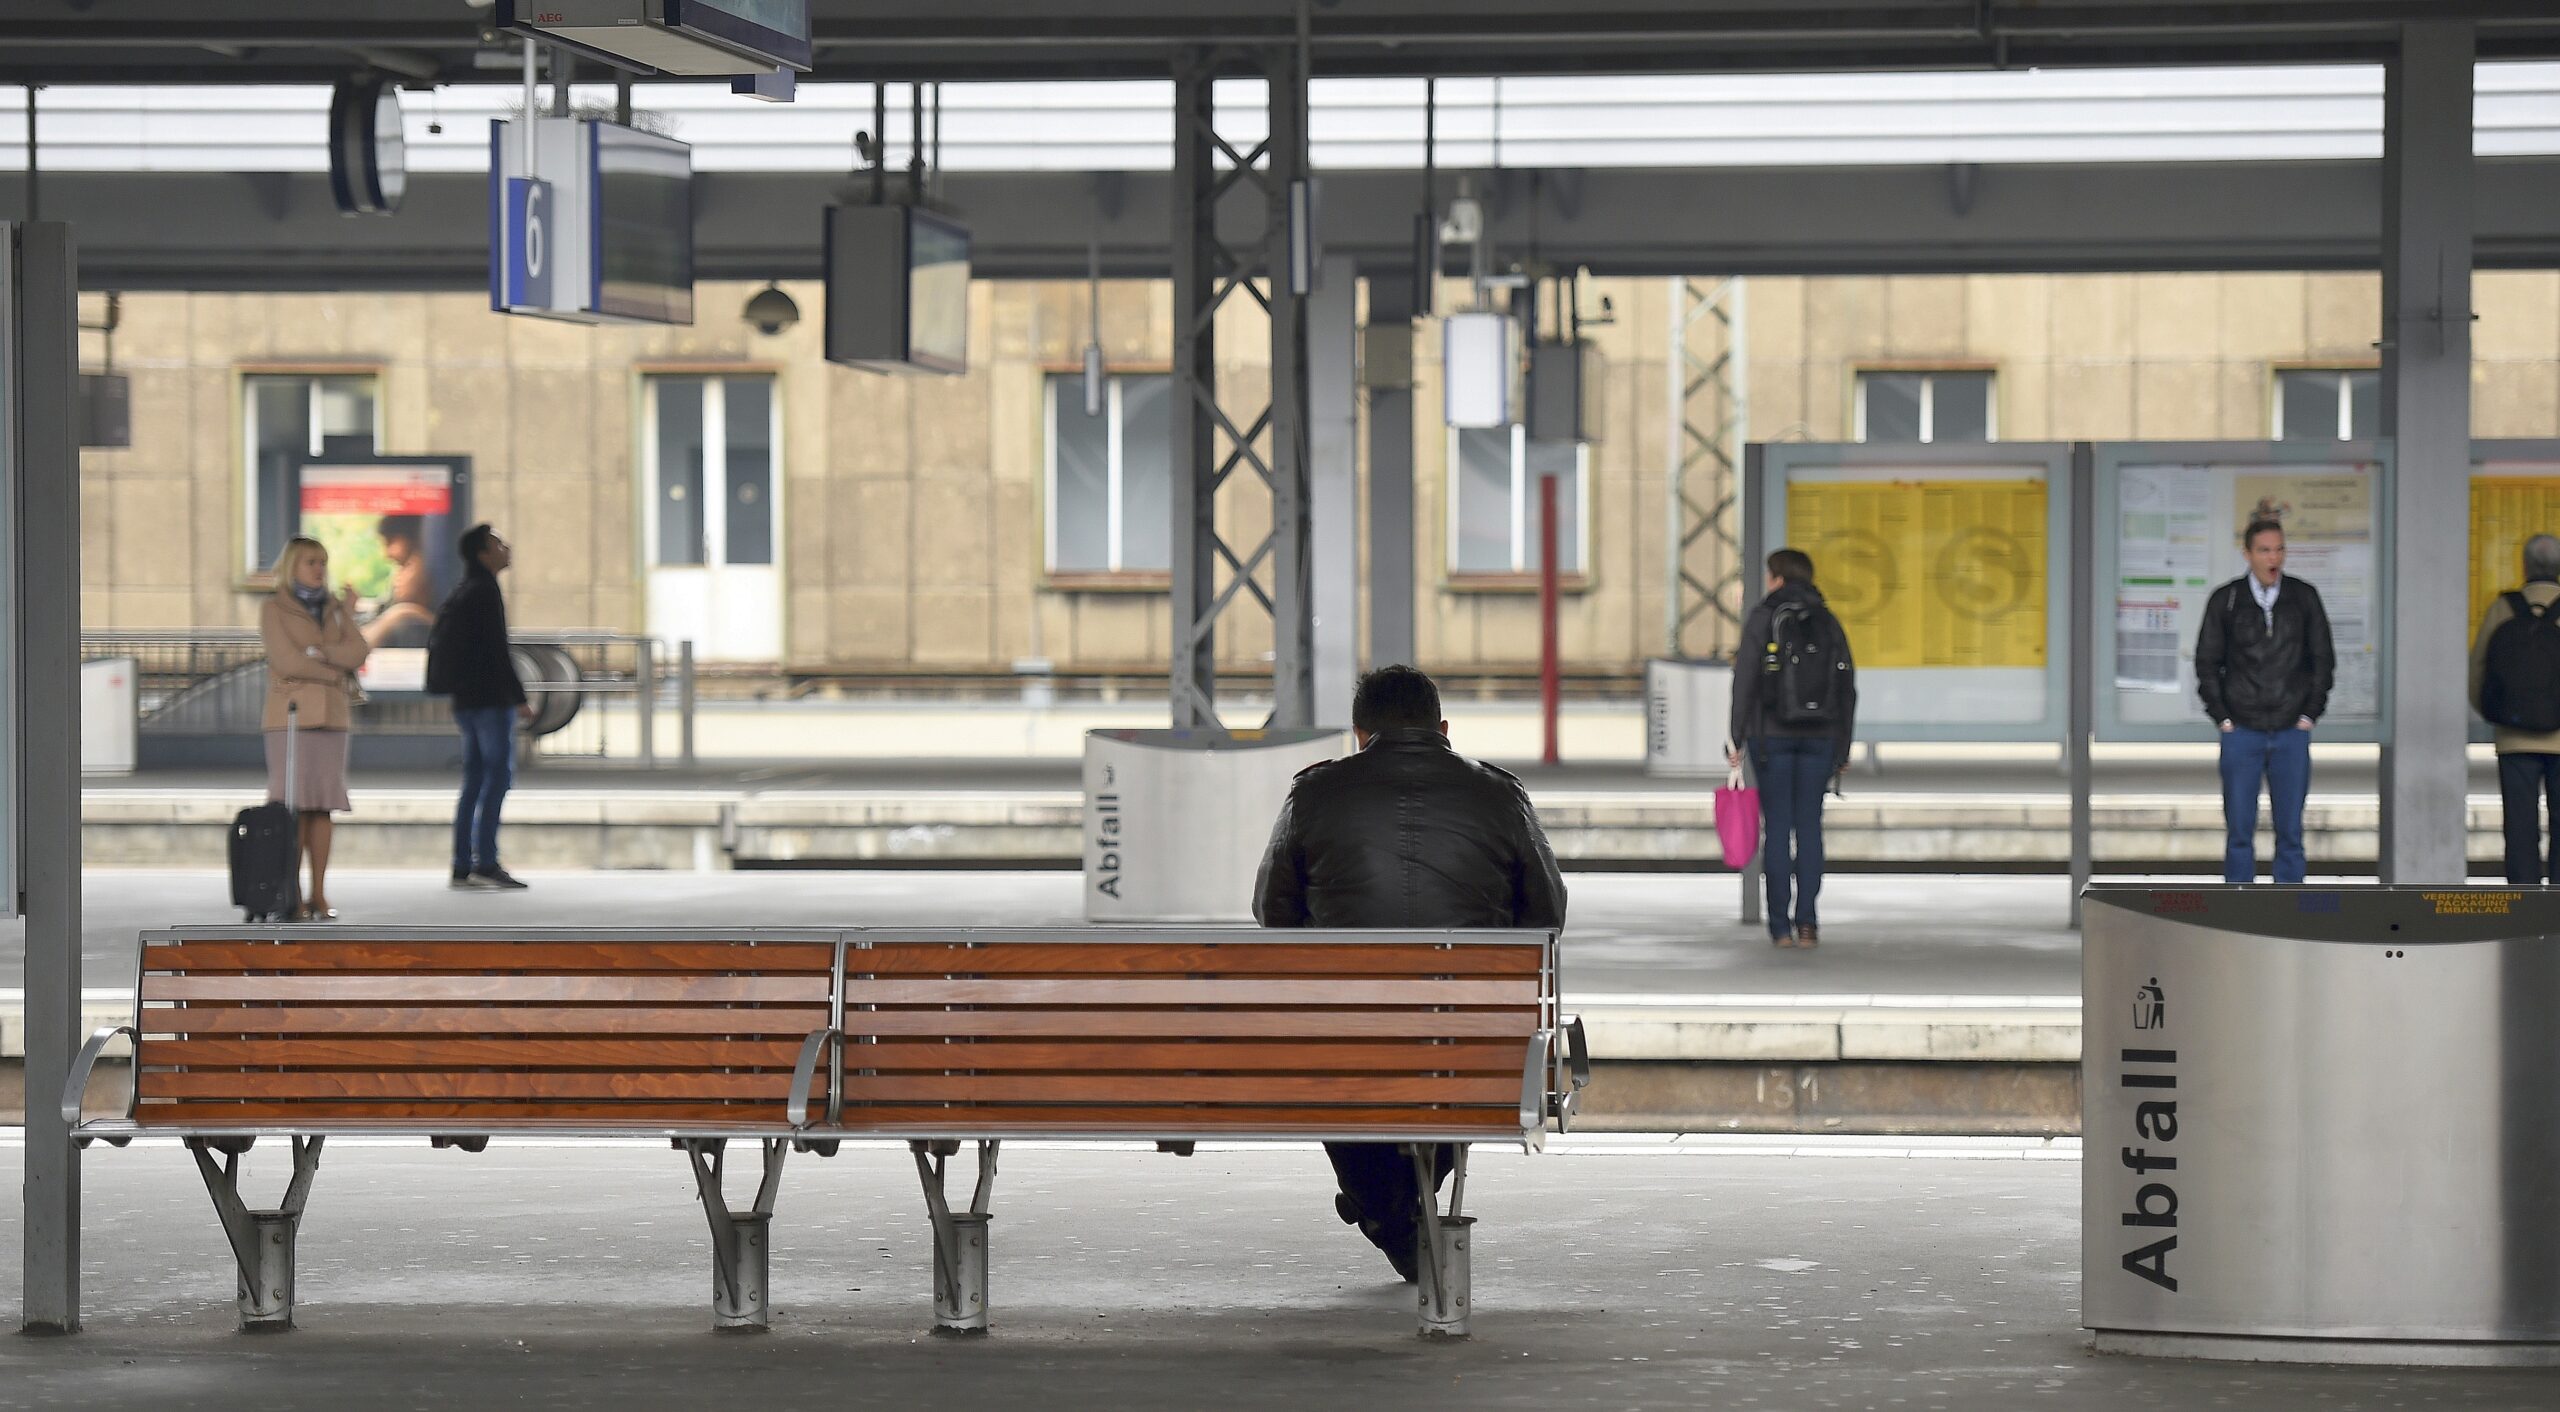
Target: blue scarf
315 599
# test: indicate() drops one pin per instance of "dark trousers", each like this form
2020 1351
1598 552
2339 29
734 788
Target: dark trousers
488 768
2282 759
1379 1176
2524 782
1792 775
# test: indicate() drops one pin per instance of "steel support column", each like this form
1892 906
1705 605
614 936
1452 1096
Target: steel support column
1709 405
1391 578
1211 440
1333 488
40 465
2426 409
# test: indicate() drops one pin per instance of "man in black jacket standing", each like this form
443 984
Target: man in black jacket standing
2264 666
1795 710
1405 833
467 659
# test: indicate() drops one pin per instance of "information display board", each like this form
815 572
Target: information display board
1946 565
2169 517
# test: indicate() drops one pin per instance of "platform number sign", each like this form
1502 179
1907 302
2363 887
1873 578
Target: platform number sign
528 244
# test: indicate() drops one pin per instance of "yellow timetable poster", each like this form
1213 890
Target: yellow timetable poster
2505 512
1946 573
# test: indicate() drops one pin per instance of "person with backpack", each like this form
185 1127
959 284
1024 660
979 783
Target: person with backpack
2264 666
468 660
1795 703
2515 686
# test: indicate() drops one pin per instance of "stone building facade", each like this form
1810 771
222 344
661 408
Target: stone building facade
940 527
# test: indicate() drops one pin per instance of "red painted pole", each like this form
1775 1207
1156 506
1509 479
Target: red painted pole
1550 670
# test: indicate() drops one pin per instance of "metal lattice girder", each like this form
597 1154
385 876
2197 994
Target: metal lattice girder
1212 439
1710 411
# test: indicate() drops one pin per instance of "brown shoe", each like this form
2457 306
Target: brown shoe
1808 936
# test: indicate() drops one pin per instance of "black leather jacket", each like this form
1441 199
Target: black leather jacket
2261 678
1408 833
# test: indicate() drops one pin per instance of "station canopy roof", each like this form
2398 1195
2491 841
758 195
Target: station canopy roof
448 41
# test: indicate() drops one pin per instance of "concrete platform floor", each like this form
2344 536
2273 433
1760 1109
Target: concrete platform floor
1655 936
1703 1273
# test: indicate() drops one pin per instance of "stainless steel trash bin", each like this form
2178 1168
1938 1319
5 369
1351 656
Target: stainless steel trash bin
1175 821
2322 1124
1687 710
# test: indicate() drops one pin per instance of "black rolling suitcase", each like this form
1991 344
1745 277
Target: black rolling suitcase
266 851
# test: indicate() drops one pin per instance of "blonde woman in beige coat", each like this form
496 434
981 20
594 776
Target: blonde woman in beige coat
313 652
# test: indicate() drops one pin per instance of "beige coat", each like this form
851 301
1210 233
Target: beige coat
2511 742
310 664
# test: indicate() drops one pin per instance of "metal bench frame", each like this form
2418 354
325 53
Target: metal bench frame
1557 1067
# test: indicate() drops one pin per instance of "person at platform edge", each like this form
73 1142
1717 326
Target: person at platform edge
1404 833
1795 710
2515 686
2264 667
468 660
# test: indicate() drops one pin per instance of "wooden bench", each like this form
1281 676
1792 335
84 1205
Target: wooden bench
304 1033
802 1040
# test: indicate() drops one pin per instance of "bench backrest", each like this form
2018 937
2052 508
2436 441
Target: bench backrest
331 1027
1162 1034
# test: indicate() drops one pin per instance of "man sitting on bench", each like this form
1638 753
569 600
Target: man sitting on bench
1405 833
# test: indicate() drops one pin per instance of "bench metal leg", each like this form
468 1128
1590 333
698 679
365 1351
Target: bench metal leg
1447 1265
262 1242
741 1250
959 1238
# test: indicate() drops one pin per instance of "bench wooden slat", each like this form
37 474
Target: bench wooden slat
456 1117
1381 993
200 957
418 989
529 1020
417 1084
1221 958
1105 1056
455 1053
1182 1024
1259 1089
1174 1119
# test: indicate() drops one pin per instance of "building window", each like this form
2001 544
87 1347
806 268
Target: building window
1111 476
1493 501
711 461
1930 406
2328 404
287 419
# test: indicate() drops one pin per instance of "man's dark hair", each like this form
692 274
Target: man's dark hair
474 540
2249 536
1395 696
1792 566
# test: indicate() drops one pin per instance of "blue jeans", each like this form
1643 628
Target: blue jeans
1792 775
2524 781
2282 759
488 767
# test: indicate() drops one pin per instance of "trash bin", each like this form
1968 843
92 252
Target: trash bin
1687 708
2322 1124
1175 821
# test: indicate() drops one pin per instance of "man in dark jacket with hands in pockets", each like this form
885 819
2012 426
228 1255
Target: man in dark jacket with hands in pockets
468 660
1405 833
2264 666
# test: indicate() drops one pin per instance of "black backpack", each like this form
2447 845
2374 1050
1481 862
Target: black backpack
2521 689
443 672
1808 657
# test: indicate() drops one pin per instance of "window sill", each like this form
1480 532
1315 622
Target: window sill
1107 583
1513 583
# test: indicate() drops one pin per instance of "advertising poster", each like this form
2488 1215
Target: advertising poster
2510 503
2178 539
1929 573
389 524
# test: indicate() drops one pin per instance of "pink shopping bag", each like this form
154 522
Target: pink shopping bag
1738 822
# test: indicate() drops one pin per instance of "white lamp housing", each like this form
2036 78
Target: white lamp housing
1480 363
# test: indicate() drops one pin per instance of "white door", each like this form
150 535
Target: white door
710 456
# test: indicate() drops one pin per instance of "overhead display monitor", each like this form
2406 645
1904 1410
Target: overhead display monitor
1946 566
685 37
2169 519
897 289
643 226
598 228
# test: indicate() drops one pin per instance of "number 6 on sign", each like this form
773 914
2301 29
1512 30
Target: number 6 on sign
527 236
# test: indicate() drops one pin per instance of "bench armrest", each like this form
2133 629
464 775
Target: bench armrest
1573 1071
805 1073
75 1086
